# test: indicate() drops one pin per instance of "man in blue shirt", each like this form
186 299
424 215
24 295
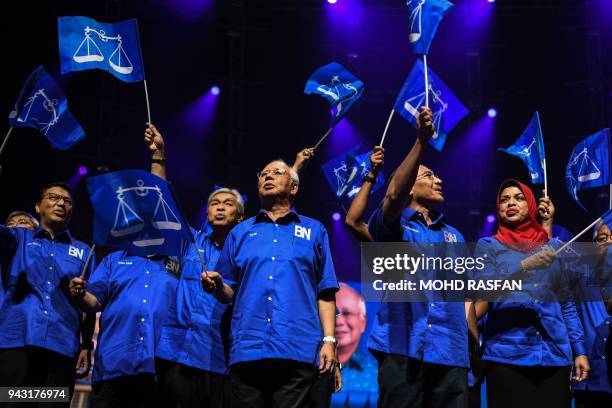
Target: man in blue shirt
422 348
134 294
192 347
277 269
39 325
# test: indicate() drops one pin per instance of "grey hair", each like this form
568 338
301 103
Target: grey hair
27 214
234 192
295 179
362 305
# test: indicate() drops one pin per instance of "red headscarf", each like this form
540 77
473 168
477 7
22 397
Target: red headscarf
519 237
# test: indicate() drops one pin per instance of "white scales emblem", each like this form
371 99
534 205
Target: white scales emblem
337 89
128 222
48 104
118 60
345 178
437 105
416 27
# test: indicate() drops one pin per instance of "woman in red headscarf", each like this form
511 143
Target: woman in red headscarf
530 339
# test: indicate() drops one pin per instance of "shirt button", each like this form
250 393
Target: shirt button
429 325
48 282
273 258
270 298
146 286
538 333
432 305
142 319
535 285
142 338
270 277
47 297
147 272
274 240
269 320
51 254
45 312
144 300
50 268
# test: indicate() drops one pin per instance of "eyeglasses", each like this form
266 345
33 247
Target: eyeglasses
276 172
428 175
55 198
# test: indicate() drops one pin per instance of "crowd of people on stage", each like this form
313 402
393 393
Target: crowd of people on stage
259 325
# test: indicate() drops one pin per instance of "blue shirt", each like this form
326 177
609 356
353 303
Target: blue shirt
436 331
523 330
597 324
135 294
276 270
192 334
36 307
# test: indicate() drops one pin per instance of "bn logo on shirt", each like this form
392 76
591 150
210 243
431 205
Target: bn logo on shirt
302 232
449 237
76 252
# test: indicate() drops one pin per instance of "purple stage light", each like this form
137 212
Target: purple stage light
83 170
332 1
491 1
336 216
490 218
215 90
492 112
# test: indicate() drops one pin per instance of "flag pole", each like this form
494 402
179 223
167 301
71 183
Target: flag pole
323 138
191 236
146 89
89 256
382 140
6 138
544 155
581 233
545 178
426 81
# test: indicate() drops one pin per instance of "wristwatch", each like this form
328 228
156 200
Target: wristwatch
161 162
369 178
330 339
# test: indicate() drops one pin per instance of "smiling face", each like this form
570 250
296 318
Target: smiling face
350 323
275 181
513 208
223 210
55 208
427 189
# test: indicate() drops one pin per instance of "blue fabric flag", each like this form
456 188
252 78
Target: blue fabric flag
607 218
345 173
425 17
42 105
85 43
589 164
135 210
341 88
529 147
446 108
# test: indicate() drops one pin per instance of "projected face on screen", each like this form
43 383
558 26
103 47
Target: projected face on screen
351 321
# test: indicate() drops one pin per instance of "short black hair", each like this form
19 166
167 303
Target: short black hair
59 184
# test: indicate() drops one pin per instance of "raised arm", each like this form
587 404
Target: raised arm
398 191
302 158
355 216
155 143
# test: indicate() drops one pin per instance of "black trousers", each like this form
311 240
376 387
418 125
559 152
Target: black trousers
271 383
130 391
322 390
592 399
525 387
36 367
406 382
191 387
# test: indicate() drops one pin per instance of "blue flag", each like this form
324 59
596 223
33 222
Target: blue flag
446 108
341 88
42 105
529 147
85 43
607 218
345 173
135 210
425 17
589 164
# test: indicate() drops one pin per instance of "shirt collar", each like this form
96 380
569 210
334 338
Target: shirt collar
291 216
64 236
410 214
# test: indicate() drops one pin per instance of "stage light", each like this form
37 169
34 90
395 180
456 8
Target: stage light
492 112
83 170
336 216
332 1
215 90
490 218
491 1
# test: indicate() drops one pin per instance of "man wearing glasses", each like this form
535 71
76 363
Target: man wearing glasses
421 347
277 269
39 325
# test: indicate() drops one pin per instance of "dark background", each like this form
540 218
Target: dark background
515 55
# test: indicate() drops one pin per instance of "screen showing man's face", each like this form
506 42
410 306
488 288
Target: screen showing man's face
350 323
